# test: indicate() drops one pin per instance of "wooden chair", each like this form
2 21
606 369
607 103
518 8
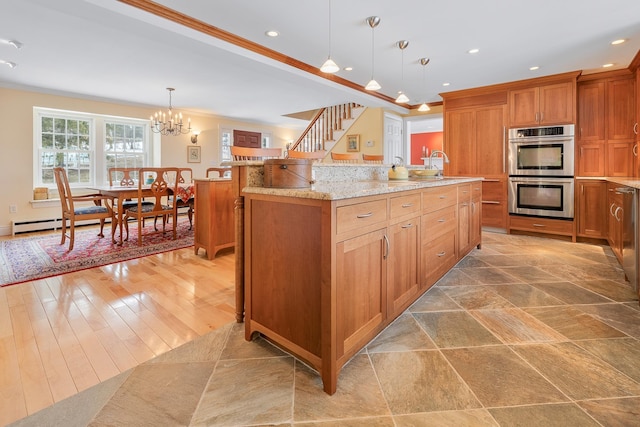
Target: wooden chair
248 153
345 157
165 182
124 177
314 155
185 177
223 172
72 213
373 158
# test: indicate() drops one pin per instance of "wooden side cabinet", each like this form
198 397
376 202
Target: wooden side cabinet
214 228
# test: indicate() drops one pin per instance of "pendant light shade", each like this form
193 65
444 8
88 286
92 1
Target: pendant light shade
373 22
329 65
402 98
424 107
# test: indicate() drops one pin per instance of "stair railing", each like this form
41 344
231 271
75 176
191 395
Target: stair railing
321 127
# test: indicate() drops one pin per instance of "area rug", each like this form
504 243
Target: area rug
38 257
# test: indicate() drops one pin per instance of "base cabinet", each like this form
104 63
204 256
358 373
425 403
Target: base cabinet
323 278
591 208
614 220
214 217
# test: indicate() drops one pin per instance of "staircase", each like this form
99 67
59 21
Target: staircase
327 127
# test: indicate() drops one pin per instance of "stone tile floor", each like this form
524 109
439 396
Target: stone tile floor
524 332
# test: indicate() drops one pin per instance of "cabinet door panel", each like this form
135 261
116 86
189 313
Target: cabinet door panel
360 288
556 104
491 140
591 159
620 158
592 209
621 109
459 146
591 111
403 275
523 107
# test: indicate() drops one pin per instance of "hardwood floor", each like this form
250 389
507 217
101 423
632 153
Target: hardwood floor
64 334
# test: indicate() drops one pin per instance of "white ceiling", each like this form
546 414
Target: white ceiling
108 50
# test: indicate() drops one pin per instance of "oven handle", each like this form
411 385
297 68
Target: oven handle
529 180
541 141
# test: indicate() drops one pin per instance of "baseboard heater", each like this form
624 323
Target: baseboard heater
18 227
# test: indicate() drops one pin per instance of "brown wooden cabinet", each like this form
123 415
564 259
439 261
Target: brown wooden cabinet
606 117
214 217
403 278
494 202
542 105
614 220
475 140
591 212
324 277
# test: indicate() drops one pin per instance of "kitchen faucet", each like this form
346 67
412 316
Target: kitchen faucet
434 152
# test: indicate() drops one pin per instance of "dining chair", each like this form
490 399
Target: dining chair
125 177
314 155
223 172
345 157
72 213
185 179
373 158
249 153
165 183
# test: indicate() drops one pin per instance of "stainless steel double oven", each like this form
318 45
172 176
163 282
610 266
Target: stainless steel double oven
541 171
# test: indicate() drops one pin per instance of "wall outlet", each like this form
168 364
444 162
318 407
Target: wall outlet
369 143
13 209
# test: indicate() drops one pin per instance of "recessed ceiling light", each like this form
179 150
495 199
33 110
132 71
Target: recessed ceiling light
348 68
607 65
272 33
535 67
446 84
619 41
473 51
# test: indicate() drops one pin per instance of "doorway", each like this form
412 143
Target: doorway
424 134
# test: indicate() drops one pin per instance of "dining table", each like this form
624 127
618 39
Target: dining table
120 193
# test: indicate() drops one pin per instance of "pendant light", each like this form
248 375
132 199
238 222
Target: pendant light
424 107
402 98
373 22
329 66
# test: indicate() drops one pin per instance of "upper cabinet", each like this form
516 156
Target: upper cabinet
542 105
605 127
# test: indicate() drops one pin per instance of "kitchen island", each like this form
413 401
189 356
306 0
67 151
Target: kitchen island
329 267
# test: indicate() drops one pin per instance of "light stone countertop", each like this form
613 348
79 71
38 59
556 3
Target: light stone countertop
338 190
629 182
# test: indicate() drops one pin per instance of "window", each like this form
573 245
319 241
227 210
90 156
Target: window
225 145
87 145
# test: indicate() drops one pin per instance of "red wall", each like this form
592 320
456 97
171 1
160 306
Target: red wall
430 141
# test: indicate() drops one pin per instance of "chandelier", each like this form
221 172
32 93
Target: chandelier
171 125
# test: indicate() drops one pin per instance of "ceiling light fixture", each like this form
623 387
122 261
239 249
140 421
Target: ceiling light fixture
8 63
535 67
171 126
14 43
373 22
272 33
607 65
619 41
402 98
329 66
473 51
424 107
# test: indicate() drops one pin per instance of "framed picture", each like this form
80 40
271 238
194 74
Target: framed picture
353 142
193 154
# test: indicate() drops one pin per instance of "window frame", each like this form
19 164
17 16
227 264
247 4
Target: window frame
97 141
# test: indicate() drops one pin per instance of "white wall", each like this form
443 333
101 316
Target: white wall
16 145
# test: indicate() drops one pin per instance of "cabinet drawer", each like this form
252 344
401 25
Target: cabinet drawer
494 190
434 199
438 256
403 205
435 224
476 190
464 193
541 225
351 217
494 213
